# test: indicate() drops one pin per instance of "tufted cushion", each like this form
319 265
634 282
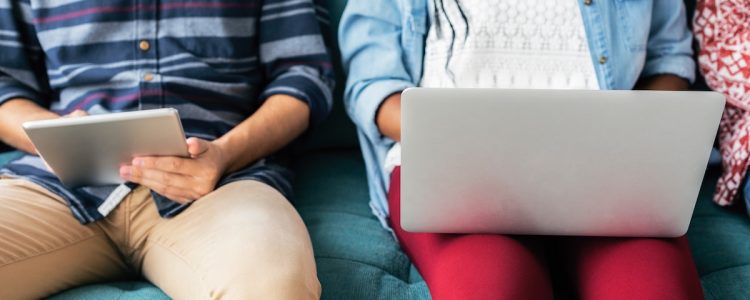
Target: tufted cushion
116 290
356 257
7 156
720 241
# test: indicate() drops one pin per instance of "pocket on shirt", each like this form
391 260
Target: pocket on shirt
415 27
634 18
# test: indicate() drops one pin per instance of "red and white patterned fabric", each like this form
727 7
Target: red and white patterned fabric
722 28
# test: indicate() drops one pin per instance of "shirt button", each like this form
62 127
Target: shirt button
144 45
148 77
602 59
588 2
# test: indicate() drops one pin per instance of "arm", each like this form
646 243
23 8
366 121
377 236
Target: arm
371 31
669 52
297 95
24 92
388 117
14 113
665 82
280 120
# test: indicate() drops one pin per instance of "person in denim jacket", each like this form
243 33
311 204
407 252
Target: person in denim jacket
391 45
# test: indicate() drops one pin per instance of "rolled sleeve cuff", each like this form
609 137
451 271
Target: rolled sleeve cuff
10 91
680 65
368 104
316 94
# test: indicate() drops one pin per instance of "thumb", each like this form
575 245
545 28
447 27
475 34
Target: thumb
197 146
76 113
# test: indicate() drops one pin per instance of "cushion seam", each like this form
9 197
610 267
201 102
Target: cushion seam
364 263
724 269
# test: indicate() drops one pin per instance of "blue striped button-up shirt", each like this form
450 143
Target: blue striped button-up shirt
214 61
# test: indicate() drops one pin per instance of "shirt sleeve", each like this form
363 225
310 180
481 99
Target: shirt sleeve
22 73
294 56
370 35
669 49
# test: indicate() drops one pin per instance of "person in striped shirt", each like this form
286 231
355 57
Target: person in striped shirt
247 78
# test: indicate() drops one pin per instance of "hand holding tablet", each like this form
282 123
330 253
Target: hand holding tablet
180 179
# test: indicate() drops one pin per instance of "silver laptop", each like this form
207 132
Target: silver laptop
554 162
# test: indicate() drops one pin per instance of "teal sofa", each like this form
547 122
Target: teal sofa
357 259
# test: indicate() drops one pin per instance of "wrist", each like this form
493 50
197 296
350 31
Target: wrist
227 154
43 115
222 156
13 114
24 145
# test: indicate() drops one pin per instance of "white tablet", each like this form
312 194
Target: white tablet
88 151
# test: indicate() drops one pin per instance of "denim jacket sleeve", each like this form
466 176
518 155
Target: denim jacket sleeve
669 49
373 56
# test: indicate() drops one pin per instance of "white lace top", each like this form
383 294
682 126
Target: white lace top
511 44
536 44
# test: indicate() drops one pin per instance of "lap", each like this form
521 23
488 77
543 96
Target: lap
243 234
231 214
601 267
629 268
473 266
39 235
29 212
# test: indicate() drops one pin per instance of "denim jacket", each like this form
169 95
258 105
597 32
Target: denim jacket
382 44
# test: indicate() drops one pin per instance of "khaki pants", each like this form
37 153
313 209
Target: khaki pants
243 241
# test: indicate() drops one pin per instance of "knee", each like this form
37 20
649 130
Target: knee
271 249
288 270
488 267
498 251
283 274
637 269
244 210
284 281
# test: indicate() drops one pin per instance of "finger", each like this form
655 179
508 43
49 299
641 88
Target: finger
172 193
165 178
164 184
186 168
76 113
197 146
166 163
79 113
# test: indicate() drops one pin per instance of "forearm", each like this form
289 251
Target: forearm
13 114
389 117
664 82
277 122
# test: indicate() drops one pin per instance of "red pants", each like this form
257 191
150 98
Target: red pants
484 266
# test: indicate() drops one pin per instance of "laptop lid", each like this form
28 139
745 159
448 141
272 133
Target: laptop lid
554 162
